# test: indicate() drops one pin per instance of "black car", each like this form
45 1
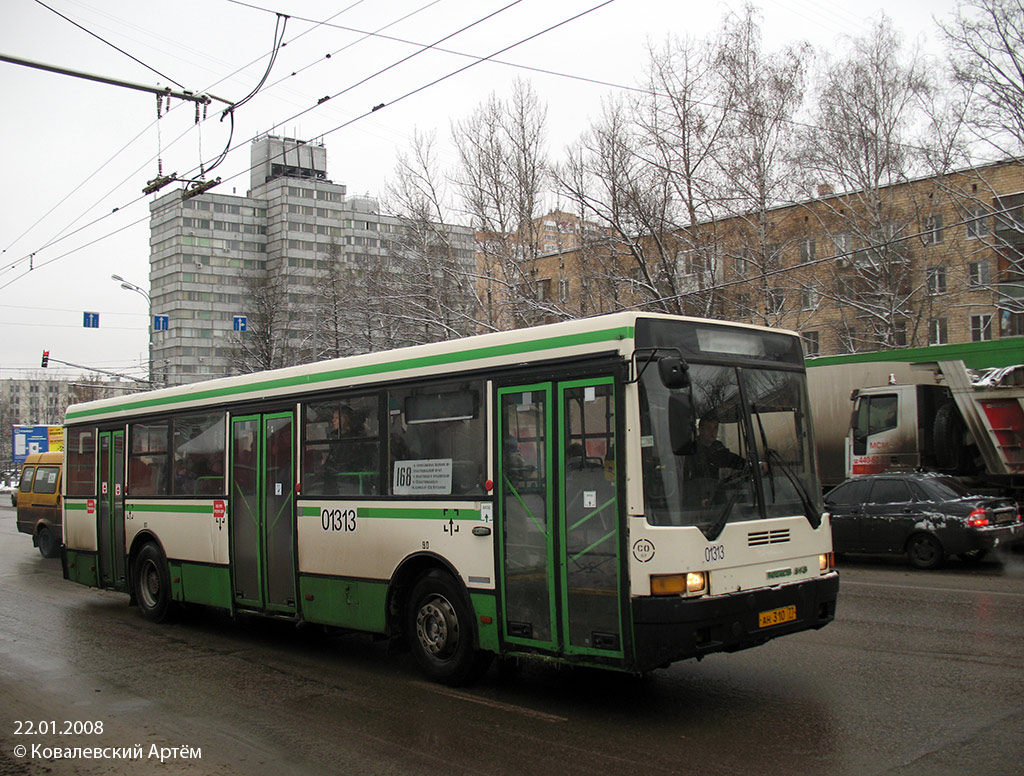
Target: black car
927 516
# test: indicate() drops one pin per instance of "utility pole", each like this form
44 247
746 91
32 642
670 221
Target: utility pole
204 99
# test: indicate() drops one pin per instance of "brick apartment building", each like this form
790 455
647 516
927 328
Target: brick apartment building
929 261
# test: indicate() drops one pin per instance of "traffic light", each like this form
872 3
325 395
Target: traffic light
46 357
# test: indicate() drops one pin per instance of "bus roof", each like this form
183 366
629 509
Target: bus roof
613 332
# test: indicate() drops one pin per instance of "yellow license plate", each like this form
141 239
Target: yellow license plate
776 616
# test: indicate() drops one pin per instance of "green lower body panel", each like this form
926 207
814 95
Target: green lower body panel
486 609
81 568
196 583
345 603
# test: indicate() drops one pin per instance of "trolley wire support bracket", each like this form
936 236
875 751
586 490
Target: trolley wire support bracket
158 183
198 188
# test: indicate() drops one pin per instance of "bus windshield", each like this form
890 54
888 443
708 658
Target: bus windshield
753 456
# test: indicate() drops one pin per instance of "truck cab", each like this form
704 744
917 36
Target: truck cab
905 427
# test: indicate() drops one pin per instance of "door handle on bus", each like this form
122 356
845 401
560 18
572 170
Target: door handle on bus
481 530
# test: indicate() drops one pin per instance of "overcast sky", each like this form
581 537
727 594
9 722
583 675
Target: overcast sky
76 154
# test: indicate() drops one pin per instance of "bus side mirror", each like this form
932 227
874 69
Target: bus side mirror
674 372
681 427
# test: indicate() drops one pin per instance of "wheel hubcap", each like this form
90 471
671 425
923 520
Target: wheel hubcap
150 584
437 627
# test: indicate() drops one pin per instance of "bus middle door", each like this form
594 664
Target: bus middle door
110 512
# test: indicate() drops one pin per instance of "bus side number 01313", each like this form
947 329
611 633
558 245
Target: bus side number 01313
338 520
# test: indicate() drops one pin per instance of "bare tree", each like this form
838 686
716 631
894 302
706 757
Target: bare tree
985 45
985 41
646 169
264 343
333 306
864 142
501 178
438 296
758 159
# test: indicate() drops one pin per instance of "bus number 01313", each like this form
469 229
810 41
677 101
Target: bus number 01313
338 520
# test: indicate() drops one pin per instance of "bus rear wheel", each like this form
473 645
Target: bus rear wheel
152 584
439 628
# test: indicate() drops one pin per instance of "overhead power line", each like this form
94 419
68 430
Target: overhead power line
357 118
104 40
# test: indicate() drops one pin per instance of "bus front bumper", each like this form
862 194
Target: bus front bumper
667 629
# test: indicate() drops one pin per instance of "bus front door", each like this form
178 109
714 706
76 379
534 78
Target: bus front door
589 518
558 517
262 512
110 512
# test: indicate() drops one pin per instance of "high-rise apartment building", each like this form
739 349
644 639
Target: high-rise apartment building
222 266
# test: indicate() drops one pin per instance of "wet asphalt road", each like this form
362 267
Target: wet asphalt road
921 674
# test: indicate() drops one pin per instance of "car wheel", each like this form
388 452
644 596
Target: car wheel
439 628
924 551
152 582
47 544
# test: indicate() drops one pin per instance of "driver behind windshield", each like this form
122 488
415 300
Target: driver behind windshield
701 469
711 454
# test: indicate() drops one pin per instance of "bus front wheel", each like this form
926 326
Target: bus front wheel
439 628
152 584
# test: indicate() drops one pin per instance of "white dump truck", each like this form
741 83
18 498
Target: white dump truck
939 415
968 423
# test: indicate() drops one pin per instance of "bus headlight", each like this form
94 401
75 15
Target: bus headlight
690 583
826 562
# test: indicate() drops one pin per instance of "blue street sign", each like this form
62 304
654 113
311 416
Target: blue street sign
240 322
161 322
91 320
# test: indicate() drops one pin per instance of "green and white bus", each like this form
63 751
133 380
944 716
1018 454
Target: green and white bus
621 491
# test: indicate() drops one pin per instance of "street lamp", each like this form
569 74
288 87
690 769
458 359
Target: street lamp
131 287
128 286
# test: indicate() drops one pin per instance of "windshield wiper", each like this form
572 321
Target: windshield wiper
801 491
723 517
813 516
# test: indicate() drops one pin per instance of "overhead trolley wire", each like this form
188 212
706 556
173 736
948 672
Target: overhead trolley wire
58 236
422 47
113 46
404 96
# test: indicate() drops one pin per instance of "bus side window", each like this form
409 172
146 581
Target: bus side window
341 447
81 456
441 424
148 467
199 445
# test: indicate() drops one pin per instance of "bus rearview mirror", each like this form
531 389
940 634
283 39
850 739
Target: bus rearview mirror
674 372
